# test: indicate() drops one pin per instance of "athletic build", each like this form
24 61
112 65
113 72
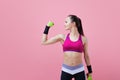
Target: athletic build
74 45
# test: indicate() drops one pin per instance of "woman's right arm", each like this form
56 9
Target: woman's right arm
45 40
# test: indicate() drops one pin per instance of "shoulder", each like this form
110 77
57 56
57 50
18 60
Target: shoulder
61 36
84 39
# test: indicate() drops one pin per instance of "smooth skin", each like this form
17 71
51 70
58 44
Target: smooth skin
70 58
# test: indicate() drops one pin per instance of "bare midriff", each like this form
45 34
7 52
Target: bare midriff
72 58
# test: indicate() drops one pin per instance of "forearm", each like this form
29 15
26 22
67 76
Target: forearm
45 35
44 38
87 60
46 31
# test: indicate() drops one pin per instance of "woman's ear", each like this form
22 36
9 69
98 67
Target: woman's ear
74 23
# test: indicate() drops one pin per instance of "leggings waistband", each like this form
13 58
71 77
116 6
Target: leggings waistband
72 67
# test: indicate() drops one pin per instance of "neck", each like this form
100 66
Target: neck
74 31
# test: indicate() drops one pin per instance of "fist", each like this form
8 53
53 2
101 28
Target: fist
89 76
50 24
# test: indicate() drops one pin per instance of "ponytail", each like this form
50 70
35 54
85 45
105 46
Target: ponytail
79 27
78 22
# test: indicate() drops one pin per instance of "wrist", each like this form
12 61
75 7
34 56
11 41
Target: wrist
46 30
89 67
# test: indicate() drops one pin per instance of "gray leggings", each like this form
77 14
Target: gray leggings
77 76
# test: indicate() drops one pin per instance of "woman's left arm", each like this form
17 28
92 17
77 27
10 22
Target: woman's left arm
86 57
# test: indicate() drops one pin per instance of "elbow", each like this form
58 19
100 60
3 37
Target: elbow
43 43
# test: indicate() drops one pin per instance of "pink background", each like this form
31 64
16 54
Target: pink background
22 57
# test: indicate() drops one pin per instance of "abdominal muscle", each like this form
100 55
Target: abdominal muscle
72 58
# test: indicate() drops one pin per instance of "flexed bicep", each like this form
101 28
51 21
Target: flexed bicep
46 41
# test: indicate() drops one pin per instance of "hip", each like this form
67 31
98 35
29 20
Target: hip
73 69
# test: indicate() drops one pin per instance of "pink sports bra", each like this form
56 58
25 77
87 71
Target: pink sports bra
76 46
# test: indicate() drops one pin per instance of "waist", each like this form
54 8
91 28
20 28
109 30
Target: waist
72 67
72 58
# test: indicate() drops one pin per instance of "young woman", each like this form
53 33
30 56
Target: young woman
74 44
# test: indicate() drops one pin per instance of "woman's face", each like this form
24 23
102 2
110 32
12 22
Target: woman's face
68 23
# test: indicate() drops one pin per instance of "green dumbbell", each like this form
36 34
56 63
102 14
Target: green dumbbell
89 78
50 24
